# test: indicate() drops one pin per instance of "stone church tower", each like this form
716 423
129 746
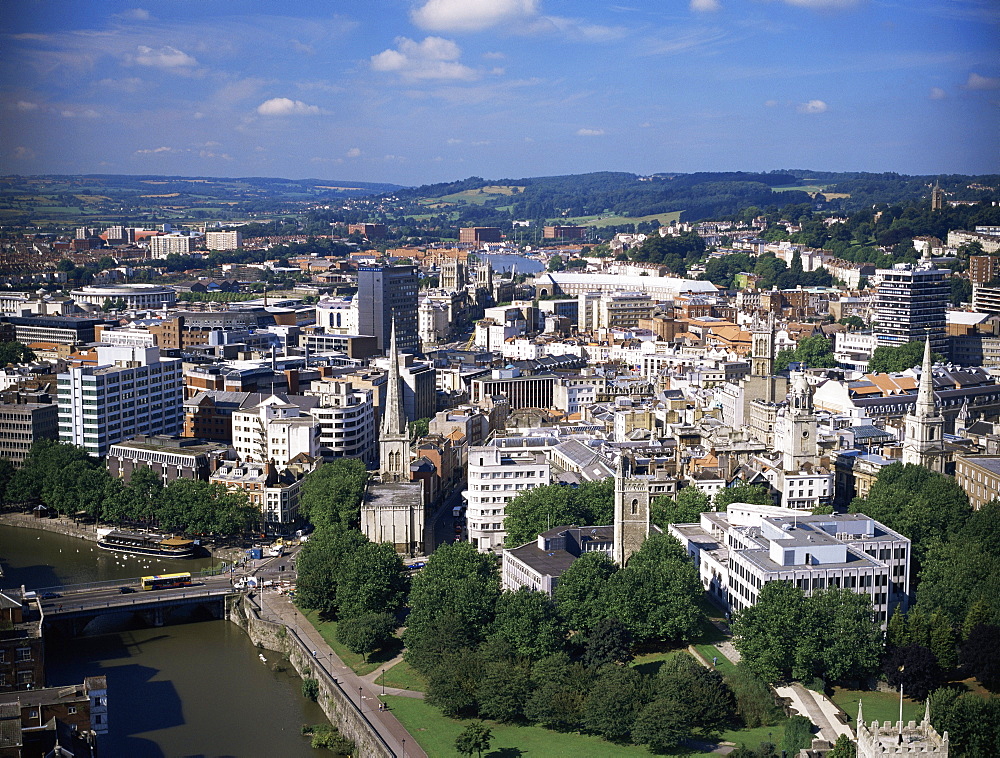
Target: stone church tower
798 444
762 353
924 443
394 434
631 512
900 740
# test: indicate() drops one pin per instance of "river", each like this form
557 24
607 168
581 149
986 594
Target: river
185 689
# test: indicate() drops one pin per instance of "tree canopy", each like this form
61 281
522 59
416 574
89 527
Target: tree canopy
889 360
332 493
542 508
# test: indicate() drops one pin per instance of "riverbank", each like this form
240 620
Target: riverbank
69 527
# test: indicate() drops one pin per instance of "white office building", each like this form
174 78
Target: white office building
496 475
163 245
346 420
274 432
130 391
740 551
232 240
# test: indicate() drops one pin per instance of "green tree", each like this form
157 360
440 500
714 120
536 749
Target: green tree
504 689
843 748
559 693
853 323
366 633
706 699
475 738
614 702
332 493
661 724
765 634
581 593
915 667
656 595
319 563
890 360
419 428
452 685
981 655
542 508
798 735
457 581
527 622
371 580
609 641
686 509
16 353
755 704
7 472
755 494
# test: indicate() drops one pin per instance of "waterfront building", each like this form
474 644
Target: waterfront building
130 391
171 458
276 432
23 423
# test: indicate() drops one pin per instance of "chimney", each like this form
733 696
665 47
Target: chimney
292 377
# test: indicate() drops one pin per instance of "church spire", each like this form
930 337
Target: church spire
925 394
394 417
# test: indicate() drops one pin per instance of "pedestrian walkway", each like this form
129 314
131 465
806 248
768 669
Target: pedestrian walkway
279 608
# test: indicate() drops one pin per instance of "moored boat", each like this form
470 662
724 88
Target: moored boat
138 543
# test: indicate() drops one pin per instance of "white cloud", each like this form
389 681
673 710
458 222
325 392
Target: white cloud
770 103
283 106
813 106
164 57
705 6
24 153
137 14
354 152
938 94
129 84
494 56
24 105
978 82
466 16
434 58
589 132
154 150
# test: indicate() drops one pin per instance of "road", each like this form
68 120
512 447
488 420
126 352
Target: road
442 524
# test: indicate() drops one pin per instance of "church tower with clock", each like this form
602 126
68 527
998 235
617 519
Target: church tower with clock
798 436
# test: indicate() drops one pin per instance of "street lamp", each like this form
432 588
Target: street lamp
360 704
404 747
383 682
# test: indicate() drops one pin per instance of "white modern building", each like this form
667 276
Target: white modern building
496 475
166 244
433 322
740 551
337 315
130 391
231 240
346 419
134 296
275 432
657 287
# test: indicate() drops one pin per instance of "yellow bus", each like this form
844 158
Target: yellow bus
166 581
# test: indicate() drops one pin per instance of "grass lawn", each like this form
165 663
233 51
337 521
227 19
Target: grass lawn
708 652
601 221
436 735
328 630
403 676
880 706
649 663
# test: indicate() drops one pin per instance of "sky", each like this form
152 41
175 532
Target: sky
419 91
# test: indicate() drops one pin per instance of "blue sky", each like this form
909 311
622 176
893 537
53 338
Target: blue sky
416 91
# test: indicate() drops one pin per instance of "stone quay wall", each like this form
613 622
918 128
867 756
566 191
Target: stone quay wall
342 712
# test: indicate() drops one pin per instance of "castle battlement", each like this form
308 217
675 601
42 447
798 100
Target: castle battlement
897 739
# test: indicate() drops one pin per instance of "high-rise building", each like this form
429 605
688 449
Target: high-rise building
386 293
910 304
231 240
164 244
130 391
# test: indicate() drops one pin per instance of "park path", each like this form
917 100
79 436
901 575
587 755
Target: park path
401 742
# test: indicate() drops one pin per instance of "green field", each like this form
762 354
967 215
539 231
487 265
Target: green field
403 676
328 630
475 197
709 652
602 221
878 706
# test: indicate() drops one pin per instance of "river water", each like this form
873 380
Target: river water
185 689
524 265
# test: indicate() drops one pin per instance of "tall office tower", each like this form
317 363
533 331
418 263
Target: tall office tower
910 304
130 391
384 293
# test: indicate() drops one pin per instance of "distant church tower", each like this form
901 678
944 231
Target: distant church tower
937 197
800 444
924 444
394 434
631 512
900 740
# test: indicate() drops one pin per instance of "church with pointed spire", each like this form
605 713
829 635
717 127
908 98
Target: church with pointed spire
923 444
394 433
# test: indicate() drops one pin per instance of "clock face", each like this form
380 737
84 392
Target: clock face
805 435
